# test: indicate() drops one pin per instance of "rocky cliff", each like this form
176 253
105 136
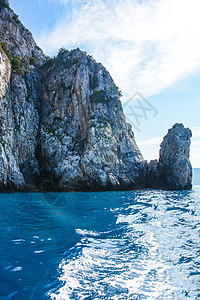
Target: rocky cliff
85 140
61 121
20 59
173 170
62 124
174 164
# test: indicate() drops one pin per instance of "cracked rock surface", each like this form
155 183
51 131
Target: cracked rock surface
62 126
173 171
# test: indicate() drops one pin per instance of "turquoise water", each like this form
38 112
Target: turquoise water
109 245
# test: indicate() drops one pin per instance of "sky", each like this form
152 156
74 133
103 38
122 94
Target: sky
150 47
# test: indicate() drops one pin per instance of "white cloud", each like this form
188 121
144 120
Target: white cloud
195 132
195 147
150 142
150 148
146 46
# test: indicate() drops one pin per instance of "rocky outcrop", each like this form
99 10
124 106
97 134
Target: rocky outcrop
62 125
86 143
174 170
19 40
175 167
62 121
153 174
20 59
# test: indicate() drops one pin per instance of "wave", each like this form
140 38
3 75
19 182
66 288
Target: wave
148 254
85 232
101 270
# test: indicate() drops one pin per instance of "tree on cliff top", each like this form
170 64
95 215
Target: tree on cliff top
4 3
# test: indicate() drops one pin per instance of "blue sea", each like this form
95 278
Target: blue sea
102 245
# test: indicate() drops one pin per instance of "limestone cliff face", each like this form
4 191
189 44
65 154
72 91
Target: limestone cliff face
20 58
10 175
85 140
173 171
62 126
175 166
19 39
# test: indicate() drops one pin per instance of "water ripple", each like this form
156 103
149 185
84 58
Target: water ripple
152 253
130 245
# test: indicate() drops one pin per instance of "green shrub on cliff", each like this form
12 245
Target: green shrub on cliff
98 96
16 62
16 18
6 50
17 65
4 3
94 81
33 61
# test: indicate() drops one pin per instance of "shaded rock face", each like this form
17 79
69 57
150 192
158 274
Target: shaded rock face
61 121
62 126
175 167
19 39
86 143
19 104
174 170
153 176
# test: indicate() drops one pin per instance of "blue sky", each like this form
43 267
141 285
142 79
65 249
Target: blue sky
151 47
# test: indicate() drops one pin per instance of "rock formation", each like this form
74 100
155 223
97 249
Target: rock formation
175 167
173 171
61 121
85 140
19 103
153 176
62 124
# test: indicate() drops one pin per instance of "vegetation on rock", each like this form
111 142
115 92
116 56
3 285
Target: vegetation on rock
98 97
4 3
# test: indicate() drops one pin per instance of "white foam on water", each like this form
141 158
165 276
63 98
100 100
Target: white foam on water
19 240
85 232
141 261
103 267
38 251
17 269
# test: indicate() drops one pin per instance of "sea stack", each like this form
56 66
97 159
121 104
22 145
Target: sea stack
174 163
173 171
